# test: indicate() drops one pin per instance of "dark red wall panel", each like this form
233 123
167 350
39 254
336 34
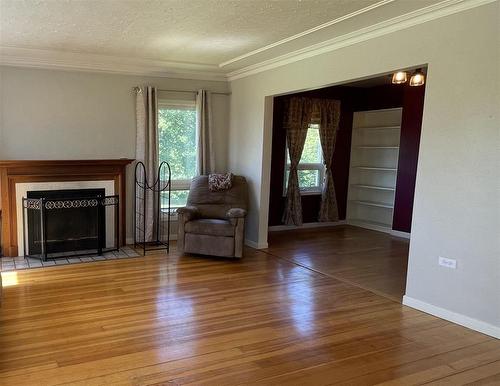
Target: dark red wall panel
411 125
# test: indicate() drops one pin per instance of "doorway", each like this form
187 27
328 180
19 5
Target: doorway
374 169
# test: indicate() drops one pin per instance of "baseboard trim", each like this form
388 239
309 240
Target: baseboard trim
379 228
254 245
454 317
403 235
367 225
277 228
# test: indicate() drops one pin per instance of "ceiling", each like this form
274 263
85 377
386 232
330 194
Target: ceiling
200 31
212 36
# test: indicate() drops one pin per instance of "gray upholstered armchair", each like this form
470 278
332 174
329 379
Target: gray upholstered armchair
213 223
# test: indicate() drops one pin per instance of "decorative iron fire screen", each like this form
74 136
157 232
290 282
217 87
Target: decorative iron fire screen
38 239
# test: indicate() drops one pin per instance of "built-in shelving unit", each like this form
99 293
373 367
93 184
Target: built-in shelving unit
373 203
378 147
360 186
374 165
395 127
375 168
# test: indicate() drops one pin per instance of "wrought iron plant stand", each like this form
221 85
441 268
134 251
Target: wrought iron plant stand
152 208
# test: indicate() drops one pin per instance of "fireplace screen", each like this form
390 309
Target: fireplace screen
66 223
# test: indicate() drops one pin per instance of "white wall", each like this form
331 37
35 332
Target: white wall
457 203
47 114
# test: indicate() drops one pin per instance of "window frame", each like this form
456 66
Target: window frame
319 166
178 104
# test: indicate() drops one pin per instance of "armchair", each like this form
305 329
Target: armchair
213 223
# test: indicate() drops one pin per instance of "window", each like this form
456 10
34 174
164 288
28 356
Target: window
178 146
311 169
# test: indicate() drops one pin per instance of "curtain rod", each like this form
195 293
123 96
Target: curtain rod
195 92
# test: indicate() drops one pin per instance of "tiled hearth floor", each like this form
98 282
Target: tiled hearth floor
17 263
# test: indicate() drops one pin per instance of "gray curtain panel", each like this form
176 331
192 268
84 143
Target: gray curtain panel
296 122
206 163
146 149
326 113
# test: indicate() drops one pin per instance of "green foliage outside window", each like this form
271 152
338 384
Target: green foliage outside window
307 178
178 198
311 155
177 146
312 147
177 141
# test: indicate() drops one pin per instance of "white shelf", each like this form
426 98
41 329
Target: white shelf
375 168
388 109
373 203
375 187
377 128
378 147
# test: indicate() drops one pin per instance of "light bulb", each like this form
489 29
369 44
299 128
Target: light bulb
417 79
399 77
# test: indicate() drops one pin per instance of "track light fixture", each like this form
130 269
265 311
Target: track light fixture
417 79
399 77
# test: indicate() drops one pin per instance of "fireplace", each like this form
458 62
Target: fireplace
17 177
69 222
69 227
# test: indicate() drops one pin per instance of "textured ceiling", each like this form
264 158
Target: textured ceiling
195 31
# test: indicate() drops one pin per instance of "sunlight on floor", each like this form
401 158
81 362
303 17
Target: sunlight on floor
9 279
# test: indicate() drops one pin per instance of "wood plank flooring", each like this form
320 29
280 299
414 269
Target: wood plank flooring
262 320
372 260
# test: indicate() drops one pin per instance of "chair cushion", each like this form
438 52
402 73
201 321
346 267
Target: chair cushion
210 226
209 245
216 204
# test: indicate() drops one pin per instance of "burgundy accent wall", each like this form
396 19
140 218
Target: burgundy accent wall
411 124
353 99
378 97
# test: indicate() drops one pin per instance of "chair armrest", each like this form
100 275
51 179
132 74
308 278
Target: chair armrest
236 213
188 212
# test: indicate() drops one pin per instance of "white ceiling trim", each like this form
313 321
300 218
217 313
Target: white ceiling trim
51 59
423 15
307 32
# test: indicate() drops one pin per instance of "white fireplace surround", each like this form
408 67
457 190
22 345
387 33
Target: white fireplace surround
23 187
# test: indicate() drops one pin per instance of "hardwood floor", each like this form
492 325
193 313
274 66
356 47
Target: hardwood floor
263 320
372 260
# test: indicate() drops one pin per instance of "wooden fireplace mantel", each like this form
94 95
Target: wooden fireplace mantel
19 171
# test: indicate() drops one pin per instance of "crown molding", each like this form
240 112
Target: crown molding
60 60
307 32
410 19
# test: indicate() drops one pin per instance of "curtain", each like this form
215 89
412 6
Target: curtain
206 163
147 149
327 114
296 123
